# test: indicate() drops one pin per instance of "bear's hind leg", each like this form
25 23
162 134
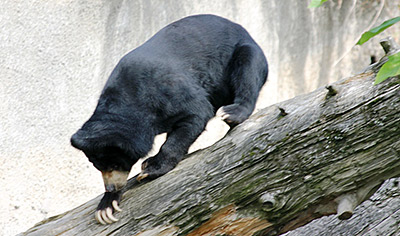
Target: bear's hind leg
248 70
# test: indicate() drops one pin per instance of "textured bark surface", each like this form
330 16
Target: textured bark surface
287 165
377 216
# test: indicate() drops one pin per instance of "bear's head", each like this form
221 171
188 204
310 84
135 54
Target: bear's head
112 148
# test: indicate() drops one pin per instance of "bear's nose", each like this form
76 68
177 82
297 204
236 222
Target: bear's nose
110 187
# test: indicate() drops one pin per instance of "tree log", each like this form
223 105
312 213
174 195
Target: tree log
318 154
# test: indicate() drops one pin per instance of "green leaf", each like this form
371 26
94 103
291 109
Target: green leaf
374 31
316 3
389 69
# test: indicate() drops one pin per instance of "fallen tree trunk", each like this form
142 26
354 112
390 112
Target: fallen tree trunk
318 154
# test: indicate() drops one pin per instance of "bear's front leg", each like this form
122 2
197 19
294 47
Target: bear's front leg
175 147
114 181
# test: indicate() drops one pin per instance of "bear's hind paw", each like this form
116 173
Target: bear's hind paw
233 114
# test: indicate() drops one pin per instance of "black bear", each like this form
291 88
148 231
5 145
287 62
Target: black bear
174 83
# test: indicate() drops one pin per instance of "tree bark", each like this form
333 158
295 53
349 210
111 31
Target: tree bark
318 154
377 216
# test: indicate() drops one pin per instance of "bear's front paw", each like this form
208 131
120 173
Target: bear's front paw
233 114
107 206
152 169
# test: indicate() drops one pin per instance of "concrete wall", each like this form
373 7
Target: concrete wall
56 56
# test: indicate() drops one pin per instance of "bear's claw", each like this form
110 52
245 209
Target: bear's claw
221 113
105 216
142 176
153 168
115 206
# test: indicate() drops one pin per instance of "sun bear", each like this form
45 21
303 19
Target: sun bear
174 83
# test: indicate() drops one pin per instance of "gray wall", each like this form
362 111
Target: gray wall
56 56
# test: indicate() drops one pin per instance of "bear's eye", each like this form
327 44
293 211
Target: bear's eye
115 167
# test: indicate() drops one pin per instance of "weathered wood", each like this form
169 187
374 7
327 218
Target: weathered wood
377 216
269 175
380 214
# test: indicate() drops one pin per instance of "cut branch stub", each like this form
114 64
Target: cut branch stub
389 45
347 202
331 91
346 205
282 112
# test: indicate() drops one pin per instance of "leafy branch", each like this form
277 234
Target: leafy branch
377 30
391 68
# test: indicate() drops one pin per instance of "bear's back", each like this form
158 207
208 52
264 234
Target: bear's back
194 38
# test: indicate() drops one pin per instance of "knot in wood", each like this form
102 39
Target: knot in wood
268 201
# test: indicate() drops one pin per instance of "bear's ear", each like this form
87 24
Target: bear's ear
91 141
79 141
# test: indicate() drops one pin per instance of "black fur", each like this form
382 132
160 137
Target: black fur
173 83
108 198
